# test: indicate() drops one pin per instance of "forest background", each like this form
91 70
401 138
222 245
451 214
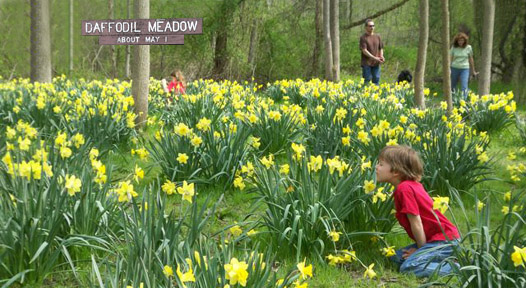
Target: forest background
265 39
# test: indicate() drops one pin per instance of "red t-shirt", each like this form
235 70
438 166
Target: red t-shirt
178 86
410 197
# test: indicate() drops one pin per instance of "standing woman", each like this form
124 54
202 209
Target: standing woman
461 63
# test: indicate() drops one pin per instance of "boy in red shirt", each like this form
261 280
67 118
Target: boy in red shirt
434 235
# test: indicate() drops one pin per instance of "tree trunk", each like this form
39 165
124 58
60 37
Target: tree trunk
220 55
316 51
487 48
521 98
327 38
70 36
141 68
221 45
348 11
420 70
446 70
253 44
40 41
478 11
524 35
127 71
111 15
335 39
508 16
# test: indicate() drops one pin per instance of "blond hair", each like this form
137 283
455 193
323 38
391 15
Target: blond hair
403 160
177 74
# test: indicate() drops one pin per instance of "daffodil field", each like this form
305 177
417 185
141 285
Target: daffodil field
89 200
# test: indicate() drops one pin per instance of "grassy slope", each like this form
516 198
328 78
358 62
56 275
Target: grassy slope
236 205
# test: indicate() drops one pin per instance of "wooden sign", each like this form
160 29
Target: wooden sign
142 40
142 31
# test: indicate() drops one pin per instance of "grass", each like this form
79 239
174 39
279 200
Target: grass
237 206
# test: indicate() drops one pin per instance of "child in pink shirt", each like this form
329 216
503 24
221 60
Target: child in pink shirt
177 84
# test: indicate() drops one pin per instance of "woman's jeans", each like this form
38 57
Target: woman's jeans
426 260
463 76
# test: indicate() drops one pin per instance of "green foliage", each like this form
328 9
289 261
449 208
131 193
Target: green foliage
306 203
327 122
276 129
309 195
160 245
490 113
165 151
454 160
223 153
485 253
46 223
153 235
189 109
521 127
100 115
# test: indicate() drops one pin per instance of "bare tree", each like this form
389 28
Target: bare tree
487 47
335 39
319 37
446 70
70 36
127 71
327 38
40 41
348 11
224 20
141 68
111 15
253 44
524 34
521 86
423 36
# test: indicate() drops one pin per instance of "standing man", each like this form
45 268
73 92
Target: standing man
372 53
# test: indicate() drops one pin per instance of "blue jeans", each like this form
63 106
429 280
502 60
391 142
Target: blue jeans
371 72
426 260
463 76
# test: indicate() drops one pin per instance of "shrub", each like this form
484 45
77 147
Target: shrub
276 129
52 209
325 132
224 152
167 148
490 113
304 204
454 159
164 249
520 123
486 254
102 113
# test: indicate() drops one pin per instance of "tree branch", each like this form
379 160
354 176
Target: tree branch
376 15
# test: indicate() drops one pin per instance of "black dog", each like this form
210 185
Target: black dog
405 75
